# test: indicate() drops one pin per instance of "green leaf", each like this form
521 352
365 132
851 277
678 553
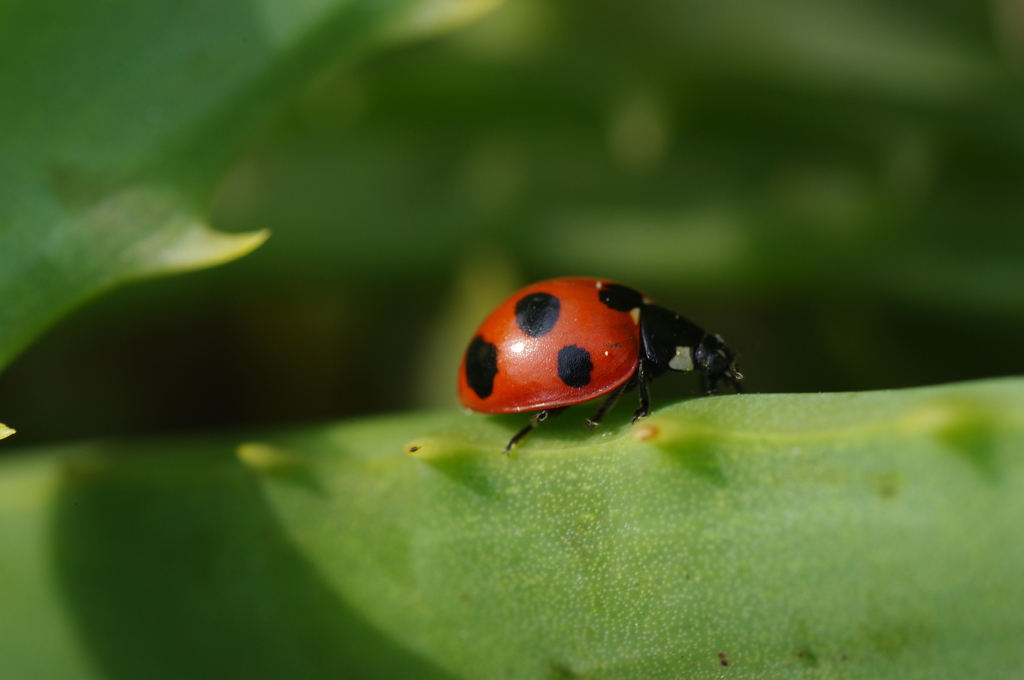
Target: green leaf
118 117
858 535
5 431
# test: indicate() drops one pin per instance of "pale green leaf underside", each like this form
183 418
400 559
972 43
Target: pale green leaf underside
870 535
133 234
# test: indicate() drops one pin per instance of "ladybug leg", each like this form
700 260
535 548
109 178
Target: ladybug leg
608 405
534 419
645 396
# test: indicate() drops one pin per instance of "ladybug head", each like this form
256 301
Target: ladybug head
713 358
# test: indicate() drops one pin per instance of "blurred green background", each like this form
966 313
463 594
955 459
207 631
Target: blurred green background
836 187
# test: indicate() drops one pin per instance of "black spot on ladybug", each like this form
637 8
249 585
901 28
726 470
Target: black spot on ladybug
574 366
481 366
620 298
536 314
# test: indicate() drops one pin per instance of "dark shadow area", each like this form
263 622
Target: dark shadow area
974 437
176 568
465 468
698 455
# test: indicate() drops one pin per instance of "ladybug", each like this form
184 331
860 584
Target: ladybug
565 341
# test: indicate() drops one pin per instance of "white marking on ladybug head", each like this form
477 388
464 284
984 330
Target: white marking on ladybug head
635 313
682 361
647 300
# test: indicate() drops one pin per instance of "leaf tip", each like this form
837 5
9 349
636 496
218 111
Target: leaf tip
266 458
431 17
155 231
437 448
424 448
928 418
669 431
202 247
645 432
6 431
945 417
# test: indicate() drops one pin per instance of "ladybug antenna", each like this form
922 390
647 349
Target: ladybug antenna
734 376
731 374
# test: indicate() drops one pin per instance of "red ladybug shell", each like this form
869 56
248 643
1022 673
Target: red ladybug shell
552 344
